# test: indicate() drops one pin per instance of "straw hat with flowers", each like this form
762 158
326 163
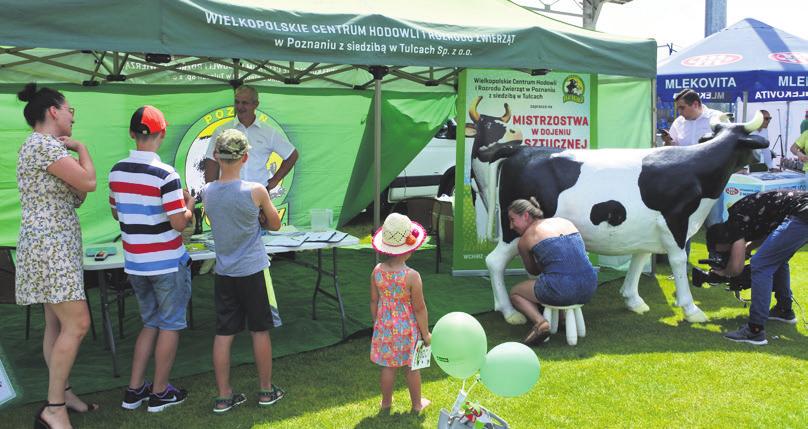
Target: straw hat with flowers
398 236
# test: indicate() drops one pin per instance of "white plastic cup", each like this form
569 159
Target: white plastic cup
321 219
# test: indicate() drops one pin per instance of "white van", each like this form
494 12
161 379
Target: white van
432 172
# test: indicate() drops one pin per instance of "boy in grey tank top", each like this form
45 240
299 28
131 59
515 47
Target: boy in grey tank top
242 288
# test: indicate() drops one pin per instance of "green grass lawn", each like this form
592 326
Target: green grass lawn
651 370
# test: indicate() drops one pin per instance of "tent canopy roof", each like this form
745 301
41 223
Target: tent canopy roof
747 56
423 33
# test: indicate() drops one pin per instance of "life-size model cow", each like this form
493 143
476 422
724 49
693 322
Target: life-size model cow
623 201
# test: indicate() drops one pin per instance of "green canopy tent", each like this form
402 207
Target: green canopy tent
318 60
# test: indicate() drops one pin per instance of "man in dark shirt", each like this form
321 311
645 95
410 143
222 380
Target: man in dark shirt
777 222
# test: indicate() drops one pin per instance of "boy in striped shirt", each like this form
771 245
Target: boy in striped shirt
147 199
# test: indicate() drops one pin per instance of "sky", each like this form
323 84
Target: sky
681 22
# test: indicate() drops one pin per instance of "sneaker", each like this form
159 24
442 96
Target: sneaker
266 398
745 335
132 398
172 396
783 315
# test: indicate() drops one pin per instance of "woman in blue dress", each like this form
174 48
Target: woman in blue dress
552 249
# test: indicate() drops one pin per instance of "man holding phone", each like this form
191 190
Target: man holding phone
693 121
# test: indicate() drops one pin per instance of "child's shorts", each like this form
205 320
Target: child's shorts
163 298
240 298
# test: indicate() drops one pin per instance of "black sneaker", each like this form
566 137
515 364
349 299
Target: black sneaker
745 335
783 315
132 398
268 398
160 401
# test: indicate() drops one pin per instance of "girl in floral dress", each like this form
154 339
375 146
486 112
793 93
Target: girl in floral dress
398 309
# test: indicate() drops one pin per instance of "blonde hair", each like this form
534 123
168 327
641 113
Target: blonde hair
531 206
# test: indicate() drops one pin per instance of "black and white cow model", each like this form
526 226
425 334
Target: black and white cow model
624 201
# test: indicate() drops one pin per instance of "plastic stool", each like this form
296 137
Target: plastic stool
574 319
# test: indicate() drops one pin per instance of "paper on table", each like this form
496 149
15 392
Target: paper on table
421 356
324 236
284 240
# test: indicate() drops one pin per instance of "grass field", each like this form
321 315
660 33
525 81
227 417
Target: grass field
652 370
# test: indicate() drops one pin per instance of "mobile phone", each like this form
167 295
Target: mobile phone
661 131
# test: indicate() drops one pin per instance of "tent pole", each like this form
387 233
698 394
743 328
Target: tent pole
745 102
653 113
377 152
378 73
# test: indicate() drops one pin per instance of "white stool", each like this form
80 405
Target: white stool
574 319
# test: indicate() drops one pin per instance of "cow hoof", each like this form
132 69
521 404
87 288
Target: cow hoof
638 307
697 317
515 318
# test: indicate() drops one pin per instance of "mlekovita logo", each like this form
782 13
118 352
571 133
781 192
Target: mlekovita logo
711 60
190 161
789 57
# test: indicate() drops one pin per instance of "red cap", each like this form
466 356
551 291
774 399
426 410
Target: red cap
147 120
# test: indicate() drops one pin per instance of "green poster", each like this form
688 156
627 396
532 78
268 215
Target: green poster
506 107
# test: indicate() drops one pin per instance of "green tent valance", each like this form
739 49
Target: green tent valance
457 33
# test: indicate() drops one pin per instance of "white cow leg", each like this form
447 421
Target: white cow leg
678 260
481 219
630 285
496 262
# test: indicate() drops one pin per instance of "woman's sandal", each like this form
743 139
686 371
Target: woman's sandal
39 422
71 409
223 405
269 397
537 335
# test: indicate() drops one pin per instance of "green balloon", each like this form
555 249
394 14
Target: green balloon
459 344
510 369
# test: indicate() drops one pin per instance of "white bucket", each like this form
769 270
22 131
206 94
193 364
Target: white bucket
321 219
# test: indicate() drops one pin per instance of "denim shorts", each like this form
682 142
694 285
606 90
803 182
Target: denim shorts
565 290
163 298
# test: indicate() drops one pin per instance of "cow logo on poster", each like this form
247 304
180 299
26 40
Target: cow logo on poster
573 89
190 158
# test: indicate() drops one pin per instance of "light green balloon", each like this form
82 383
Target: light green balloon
510 369
459 344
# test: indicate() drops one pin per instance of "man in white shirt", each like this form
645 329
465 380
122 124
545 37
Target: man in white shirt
693 121
764 155
262 137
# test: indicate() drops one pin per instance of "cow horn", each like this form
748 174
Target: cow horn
755 123
475 117
507 116
718 119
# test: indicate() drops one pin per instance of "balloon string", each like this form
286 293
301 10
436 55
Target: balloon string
476 379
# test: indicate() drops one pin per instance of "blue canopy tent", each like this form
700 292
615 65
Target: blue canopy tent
750 61
749 57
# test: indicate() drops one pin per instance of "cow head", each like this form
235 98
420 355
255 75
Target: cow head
490 133
738 139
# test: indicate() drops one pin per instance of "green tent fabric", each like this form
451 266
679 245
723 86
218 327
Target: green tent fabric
322 98
456 33
330 127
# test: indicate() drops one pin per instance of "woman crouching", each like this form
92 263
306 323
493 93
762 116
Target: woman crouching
553 250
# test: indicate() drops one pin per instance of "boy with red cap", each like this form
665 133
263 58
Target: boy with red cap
147 199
